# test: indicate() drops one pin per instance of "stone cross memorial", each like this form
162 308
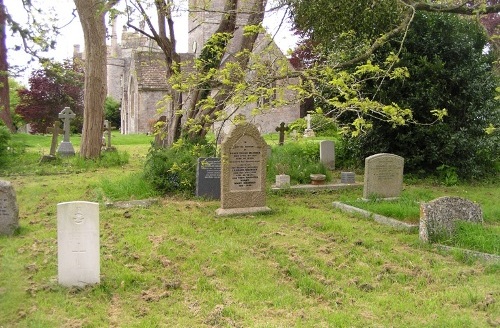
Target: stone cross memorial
327 154
243 179
107 132
78 253
66 148
9 212
281 129
309 132
383 176
55 130
208 177
438 217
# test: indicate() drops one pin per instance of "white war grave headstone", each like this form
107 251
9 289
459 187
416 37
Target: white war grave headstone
78 253
66 147
383 176
327 154
9 212
243 174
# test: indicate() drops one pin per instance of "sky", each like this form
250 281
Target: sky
72 34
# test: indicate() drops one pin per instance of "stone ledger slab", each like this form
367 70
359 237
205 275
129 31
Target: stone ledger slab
243 171
383 176
78 254
9 211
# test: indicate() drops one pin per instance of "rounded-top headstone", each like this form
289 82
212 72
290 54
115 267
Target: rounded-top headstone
9 212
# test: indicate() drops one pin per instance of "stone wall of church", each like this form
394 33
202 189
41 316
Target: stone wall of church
150 104
115 77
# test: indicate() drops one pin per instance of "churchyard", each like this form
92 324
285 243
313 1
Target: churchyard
174 262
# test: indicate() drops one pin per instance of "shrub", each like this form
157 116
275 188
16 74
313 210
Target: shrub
4 144
322 125
112 112
173 170
298 160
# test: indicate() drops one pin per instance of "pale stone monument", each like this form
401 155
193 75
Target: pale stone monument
309 132
282 181
66 147
383 176
9 212
107 137
438 217
243 179
327 154
78 253
208 172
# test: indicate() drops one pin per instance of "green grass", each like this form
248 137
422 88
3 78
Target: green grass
177 265
474 236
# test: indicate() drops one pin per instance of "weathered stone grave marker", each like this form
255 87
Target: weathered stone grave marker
438 217
243 179
55 130
309 132
66 147
107 132
78 253
208 173
327 154
347 177
9 212
281 129
383 176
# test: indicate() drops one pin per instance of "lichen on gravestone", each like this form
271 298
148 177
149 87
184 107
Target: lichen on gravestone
9 211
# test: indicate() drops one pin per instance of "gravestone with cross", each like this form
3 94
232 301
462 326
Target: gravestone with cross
107 137
281 129
309 132
55 129
66 148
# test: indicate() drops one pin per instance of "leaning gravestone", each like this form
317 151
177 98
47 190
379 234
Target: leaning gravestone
9 212
208 177
55 129
438 217
383 176
327 154
78 253
66 147
243 179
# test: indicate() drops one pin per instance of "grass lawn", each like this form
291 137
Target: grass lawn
177 265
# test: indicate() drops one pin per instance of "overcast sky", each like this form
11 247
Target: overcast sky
72 34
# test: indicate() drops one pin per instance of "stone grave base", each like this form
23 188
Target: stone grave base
241 210
47 158
333 186
66 149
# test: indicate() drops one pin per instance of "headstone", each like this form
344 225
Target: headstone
438 217
208 173
55 129
243 179
347 177
282 181
383 176
294 135
78 253
308 132
66 148
9 212
327 154
107 131
281 129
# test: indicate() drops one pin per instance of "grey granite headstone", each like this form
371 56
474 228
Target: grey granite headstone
327 154
438 217
9 212
243 179
208 172
383 176
347 177
78 255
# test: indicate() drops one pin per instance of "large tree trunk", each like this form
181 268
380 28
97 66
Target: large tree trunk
5 114
91 13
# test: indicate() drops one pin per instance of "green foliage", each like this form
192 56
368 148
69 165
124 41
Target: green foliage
131 186
474 236
448 70
321 124
112 111
4 144
298 160
173 170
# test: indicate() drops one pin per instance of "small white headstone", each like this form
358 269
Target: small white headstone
78 243
327 154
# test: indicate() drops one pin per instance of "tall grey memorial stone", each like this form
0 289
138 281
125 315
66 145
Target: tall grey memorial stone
243 175
78 253
208 172
9 212
383 176
66 147
327 154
